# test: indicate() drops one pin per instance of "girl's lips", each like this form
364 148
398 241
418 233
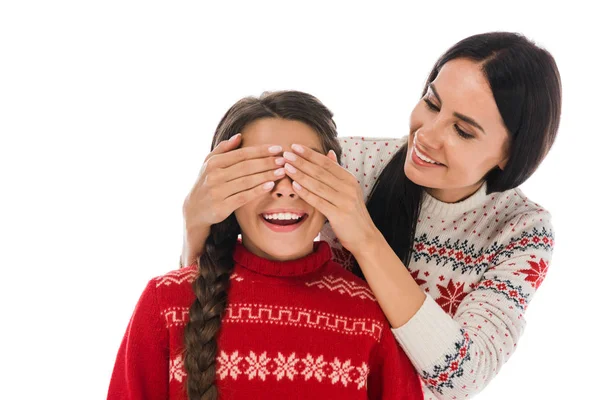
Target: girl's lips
283 228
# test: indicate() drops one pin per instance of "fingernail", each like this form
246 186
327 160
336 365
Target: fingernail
290 168
290 156
333 152
296 185
275 149
231 139
268 185
298 148
279 172
280 161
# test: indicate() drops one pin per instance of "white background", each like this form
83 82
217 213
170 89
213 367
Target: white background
106 113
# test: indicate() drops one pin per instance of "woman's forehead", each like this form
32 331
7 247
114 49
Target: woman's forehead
464 89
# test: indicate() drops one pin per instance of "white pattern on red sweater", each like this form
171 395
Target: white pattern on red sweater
479 261
297 329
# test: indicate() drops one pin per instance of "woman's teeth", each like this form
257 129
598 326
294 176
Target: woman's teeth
424 157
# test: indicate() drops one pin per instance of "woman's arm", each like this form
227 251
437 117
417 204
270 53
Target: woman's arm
398 294
193 246
455 356
459 355
228 179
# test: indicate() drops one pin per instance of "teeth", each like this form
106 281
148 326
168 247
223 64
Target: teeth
423 157
282 216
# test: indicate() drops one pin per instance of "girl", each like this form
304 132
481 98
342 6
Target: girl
452 249
271 316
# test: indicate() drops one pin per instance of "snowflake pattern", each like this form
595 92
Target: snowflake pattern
228 365
286 366
451 296
343 257
290 367
257 366
536 273
314 367
176 371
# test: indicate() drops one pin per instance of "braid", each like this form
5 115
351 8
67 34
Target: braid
211 285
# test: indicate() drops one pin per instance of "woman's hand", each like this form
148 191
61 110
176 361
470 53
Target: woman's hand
229 178
324 184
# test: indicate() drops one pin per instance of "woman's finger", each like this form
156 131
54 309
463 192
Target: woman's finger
324 161
227 189
325 207
232 203
227 159
315 186
250 167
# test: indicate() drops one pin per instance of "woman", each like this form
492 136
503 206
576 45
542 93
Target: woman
451 248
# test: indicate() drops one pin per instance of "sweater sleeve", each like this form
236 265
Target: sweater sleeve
392 375
458 356
141 370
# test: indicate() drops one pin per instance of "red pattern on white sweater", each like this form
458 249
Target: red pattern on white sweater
479 261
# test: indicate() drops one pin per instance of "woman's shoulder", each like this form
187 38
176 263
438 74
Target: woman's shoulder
523 209
366 157
513 217
357 146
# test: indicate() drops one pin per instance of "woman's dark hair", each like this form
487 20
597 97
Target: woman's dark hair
526 85
216 263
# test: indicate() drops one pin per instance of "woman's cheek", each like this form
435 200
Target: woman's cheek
417 118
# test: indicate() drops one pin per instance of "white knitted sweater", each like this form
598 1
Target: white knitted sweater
479 262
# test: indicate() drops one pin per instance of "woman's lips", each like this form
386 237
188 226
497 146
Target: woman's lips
420 162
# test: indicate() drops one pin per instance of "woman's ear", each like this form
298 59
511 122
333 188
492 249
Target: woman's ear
506 154
502 164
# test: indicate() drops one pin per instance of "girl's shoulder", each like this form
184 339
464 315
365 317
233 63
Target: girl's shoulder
176 278
173 289
348 290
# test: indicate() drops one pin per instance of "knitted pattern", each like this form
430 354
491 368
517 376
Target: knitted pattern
479 262
297 329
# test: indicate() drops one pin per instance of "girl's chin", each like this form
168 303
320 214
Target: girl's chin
286 253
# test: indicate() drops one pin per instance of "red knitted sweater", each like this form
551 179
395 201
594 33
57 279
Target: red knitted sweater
292 330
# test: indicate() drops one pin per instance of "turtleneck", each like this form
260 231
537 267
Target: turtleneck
433 206
301 266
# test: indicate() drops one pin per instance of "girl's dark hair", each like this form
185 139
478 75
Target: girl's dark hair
526 85
216 263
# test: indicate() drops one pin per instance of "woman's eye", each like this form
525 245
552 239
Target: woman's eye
430 105
462 133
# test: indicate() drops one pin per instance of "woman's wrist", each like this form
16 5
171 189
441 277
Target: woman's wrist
371 244
193 245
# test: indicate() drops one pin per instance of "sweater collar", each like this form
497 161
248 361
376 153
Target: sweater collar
433 206
307 264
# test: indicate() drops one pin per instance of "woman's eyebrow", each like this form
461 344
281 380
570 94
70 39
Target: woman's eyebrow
463 117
